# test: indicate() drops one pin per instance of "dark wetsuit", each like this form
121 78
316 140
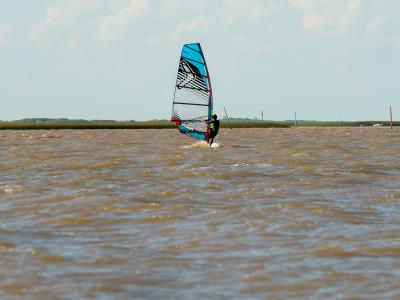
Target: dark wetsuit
214 127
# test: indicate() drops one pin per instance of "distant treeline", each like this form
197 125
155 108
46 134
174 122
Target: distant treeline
44 123
343 123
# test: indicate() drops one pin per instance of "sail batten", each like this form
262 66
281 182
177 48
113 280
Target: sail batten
192 103
186 103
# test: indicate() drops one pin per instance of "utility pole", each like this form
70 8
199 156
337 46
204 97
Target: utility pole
391 118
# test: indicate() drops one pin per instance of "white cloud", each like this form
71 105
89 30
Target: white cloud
187 27
81 23
5 34
352 11
313 14
61 15
247 45
184 20
248 11
318 14
373 28
334 54
172 9
395 40
113 26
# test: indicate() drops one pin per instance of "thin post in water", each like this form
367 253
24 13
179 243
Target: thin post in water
227 118
391 118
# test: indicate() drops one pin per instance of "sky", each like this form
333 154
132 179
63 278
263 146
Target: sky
118 59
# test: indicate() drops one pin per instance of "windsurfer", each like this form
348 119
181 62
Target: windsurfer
214 127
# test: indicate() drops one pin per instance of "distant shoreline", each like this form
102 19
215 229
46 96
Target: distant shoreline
81 125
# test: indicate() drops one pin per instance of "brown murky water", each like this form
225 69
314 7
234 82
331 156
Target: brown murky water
303 213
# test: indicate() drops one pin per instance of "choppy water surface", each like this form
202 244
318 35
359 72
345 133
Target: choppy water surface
298 213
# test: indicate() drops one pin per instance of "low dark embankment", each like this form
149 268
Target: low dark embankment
58 125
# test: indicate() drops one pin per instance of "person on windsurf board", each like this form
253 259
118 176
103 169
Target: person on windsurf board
214 127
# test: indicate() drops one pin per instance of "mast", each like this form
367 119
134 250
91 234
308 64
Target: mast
210 99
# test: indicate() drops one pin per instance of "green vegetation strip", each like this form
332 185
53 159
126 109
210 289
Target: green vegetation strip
55 125
84 125
344 124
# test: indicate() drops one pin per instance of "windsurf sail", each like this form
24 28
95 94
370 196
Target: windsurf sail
193 105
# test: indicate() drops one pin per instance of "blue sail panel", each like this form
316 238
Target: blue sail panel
192 133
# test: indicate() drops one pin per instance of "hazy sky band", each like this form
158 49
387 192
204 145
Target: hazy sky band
117 59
